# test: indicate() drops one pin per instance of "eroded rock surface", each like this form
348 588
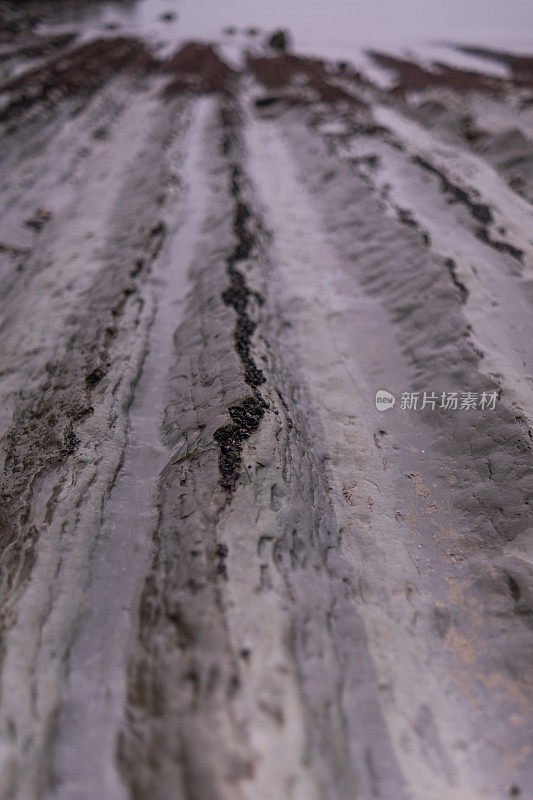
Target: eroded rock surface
224 574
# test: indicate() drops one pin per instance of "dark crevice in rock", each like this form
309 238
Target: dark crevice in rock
498 244
245 416
451 267
406 217
480 211
99 364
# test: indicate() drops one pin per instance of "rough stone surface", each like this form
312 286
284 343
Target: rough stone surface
224 575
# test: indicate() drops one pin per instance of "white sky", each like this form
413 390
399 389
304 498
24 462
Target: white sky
362 20
338 29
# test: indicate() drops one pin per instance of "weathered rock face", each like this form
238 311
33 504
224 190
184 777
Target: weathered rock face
224 573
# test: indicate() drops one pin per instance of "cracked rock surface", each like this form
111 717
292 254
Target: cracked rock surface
224 573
